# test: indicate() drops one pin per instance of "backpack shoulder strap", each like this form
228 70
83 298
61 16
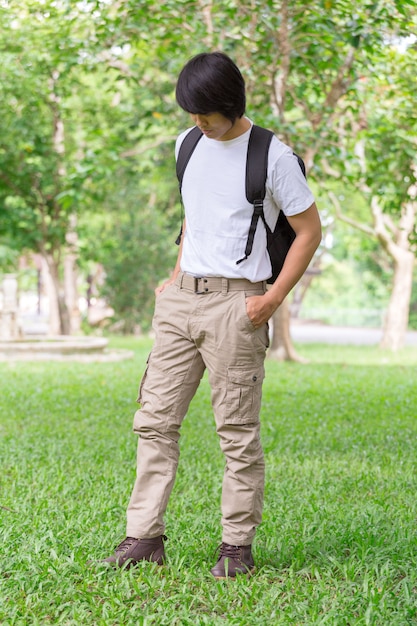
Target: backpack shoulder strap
257 163
301 164
256 173
186 149
184 154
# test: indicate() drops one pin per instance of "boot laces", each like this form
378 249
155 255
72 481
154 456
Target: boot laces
125 545
231 552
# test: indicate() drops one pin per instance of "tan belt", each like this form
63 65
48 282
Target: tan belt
207 284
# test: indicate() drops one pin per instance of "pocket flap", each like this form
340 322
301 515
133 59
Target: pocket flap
243 376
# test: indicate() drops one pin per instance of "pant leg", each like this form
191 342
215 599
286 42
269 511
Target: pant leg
234 353
173 373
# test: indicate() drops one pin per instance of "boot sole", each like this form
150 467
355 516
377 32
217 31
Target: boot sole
247 574
128 563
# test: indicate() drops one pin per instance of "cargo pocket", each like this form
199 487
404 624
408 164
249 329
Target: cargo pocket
142 382
244 395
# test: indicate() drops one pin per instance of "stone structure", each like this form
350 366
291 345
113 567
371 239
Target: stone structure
9 324
13 347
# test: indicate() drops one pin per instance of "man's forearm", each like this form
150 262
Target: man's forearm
296 263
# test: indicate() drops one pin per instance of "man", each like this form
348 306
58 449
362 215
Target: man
213 314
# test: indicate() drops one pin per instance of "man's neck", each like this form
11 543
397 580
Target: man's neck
240 126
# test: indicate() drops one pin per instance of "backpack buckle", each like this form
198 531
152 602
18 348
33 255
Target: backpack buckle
258 206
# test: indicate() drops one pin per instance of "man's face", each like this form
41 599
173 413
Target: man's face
215 126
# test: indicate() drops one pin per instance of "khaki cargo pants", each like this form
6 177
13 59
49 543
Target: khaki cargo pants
199 324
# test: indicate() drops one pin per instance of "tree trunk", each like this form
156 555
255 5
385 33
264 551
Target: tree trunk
48 289
71 292
58 297
70 276
395 237
282 348
396 319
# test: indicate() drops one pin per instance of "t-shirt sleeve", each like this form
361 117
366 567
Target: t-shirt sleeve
287 184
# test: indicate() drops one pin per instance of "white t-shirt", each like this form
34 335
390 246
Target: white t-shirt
218 215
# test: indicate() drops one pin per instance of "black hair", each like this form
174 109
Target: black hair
210 82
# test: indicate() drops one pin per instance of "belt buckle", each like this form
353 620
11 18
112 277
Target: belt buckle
196 289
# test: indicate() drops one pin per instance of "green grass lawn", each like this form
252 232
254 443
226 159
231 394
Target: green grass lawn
338 544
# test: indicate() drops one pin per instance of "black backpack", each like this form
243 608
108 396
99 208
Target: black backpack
278 241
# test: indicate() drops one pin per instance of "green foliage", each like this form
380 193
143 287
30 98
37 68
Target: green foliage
345 294
389 132
353 286
36 74
8 258
413 306
106 72
337 544
136 256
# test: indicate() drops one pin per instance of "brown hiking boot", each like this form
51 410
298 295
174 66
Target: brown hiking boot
233 560
131 551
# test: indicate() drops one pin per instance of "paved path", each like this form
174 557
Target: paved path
304 332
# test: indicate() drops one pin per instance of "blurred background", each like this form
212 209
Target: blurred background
89 203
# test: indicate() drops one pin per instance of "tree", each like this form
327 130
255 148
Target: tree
39 192
88 93
347 37
384 170
70 120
